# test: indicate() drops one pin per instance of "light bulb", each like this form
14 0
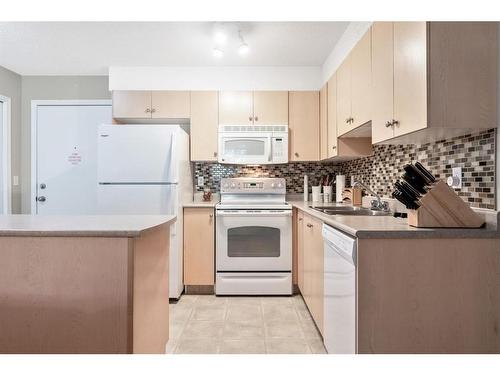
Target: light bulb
220 37
243 49
218 52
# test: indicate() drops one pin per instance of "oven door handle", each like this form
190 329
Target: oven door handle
267 213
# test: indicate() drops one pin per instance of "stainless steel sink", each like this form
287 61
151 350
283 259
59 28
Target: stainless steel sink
350 210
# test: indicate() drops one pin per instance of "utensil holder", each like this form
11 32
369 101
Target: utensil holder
441 207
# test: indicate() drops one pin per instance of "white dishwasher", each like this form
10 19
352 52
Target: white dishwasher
339 331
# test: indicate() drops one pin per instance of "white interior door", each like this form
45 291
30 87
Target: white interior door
66 157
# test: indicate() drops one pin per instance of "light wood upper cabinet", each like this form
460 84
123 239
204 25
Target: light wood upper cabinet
432 77
132 104
323 122
170 104
304 125
204 125
253 107
332 147
410 77
361 77
270 107
199 252
236 108
151 104
382 81
344 96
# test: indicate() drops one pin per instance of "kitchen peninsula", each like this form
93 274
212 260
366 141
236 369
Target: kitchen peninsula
84 284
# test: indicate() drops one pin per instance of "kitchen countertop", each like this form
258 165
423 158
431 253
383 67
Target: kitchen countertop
201 204
391 227
80 225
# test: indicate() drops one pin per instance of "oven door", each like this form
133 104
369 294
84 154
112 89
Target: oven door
244 148
254 240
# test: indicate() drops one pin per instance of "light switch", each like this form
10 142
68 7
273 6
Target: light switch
15 180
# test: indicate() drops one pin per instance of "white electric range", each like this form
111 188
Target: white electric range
253 238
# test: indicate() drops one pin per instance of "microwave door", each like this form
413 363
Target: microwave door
245 150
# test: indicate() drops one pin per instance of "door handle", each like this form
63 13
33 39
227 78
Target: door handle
41 199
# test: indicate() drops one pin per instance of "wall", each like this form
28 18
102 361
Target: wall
10 86
474 153
292 172
51 87
215 78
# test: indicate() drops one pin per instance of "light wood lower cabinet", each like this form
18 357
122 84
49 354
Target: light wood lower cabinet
199 246
310 272
204 125
304 125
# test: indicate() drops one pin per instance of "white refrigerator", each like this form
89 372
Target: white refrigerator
145 170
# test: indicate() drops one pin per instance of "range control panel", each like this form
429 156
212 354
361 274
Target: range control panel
248 185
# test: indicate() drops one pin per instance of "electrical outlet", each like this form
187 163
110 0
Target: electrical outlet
15 180
455 180
201 181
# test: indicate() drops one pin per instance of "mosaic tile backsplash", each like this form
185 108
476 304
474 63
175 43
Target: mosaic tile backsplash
475 153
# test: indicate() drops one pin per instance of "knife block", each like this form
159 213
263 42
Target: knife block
441 207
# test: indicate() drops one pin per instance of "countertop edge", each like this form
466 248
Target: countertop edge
112 233
394 234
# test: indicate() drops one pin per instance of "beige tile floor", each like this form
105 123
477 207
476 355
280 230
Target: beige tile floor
207 324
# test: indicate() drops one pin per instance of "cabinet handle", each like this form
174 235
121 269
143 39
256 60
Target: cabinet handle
388 124
249 118
256 118
147 110
334 147
351 120
153 110
395 122
310 225
300 219
211 215
215 154
296 154
347 120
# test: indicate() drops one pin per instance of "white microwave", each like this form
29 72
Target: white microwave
253 144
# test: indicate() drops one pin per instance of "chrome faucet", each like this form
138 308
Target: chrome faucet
377 205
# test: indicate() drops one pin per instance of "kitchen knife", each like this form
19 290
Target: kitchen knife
425 171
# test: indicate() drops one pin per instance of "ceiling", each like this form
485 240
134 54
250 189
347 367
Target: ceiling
89 48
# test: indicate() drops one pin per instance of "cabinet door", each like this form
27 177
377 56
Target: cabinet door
204 125
318 272
323 122
304 126
382 81
236 108
199 246
270 107
332 146
410 77
313 269
361 77
300 250
132 104
170 104
344 96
